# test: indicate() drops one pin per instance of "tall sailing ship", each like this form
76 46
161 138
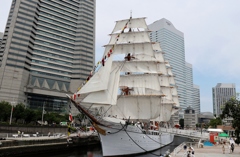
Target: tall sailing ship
139 87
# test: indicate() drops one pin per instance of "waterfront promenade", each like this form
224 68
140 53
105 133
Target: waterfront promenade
210 151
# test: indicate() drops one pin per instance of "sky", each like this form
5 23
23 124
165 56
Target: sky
211 34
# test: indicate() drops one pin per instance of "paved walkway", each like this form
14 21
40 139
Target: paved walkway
212 151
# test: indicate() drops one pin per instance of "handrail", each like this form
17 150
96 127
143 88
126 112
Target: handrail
178 149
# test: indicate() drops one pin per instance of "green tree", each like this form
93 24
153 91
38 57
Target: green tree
232 109
214 122
5 111
18 112
181 123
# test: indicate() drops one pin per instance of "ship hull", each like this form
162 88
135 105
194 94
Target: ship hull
131 140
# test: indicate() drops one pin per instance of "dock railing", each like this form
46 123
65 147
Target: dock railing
186 133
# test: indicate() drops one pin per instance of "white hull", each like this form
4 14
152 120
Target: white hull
131 141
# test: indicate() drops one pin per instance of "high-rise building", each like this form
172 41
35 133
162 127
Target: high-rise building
172 43
1 37
47 50
196 99
189 85
221 94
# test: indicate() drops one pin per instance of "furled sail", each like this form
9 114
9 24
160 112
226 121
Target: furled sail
108 96
133 23
99 81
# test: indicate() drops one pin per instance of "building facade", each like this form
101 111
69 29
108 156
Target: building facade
221 93
190 118
172 43
1 37
47 51
196 99
189 84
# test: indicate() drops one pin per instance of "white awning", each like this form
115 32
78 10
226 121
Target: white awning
215 130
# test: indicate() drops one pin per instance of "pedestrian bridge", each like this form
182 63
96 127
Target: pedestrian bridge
193 134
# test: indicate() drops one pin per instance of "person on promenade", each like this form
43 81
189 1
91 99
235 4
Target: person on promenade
19 132
185 147
49 134
229 147
223 149
232 147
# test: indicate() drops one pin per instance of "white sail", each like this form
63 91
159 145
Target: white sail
171 81
136 48
130 37
159 57
174 91
108 96
156 47
140 66
167 92
99 81
139 107
164 81
141 81
176 101
134 23
169 71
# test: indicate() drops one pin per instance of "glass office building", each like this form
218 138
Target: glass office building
172 43
221 93
47 51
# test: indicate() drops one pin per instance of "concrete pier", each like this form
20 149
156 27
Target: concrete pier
21 146
210 151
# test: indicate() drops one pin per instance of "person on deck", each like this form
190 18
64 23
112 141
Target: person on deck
129 57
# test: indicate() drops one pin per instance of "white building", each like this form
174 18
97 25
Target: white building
196 99
172 43
221 94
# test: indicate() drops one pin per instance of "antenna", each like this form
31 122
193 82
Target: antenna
130 13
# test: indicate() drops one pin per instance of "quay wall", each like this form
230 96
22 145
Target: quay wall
32 129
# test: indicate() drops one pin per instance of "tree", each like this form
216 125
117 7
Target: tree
214 122
232 109
5 111
181 123
19 112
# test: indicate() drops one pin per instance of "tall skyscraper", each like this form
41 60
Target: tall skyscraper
189 85
47 50
196 99
1 37
221 94
172 43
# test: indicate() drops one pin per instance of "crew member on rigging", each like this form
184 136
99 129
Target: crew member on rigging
129 57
